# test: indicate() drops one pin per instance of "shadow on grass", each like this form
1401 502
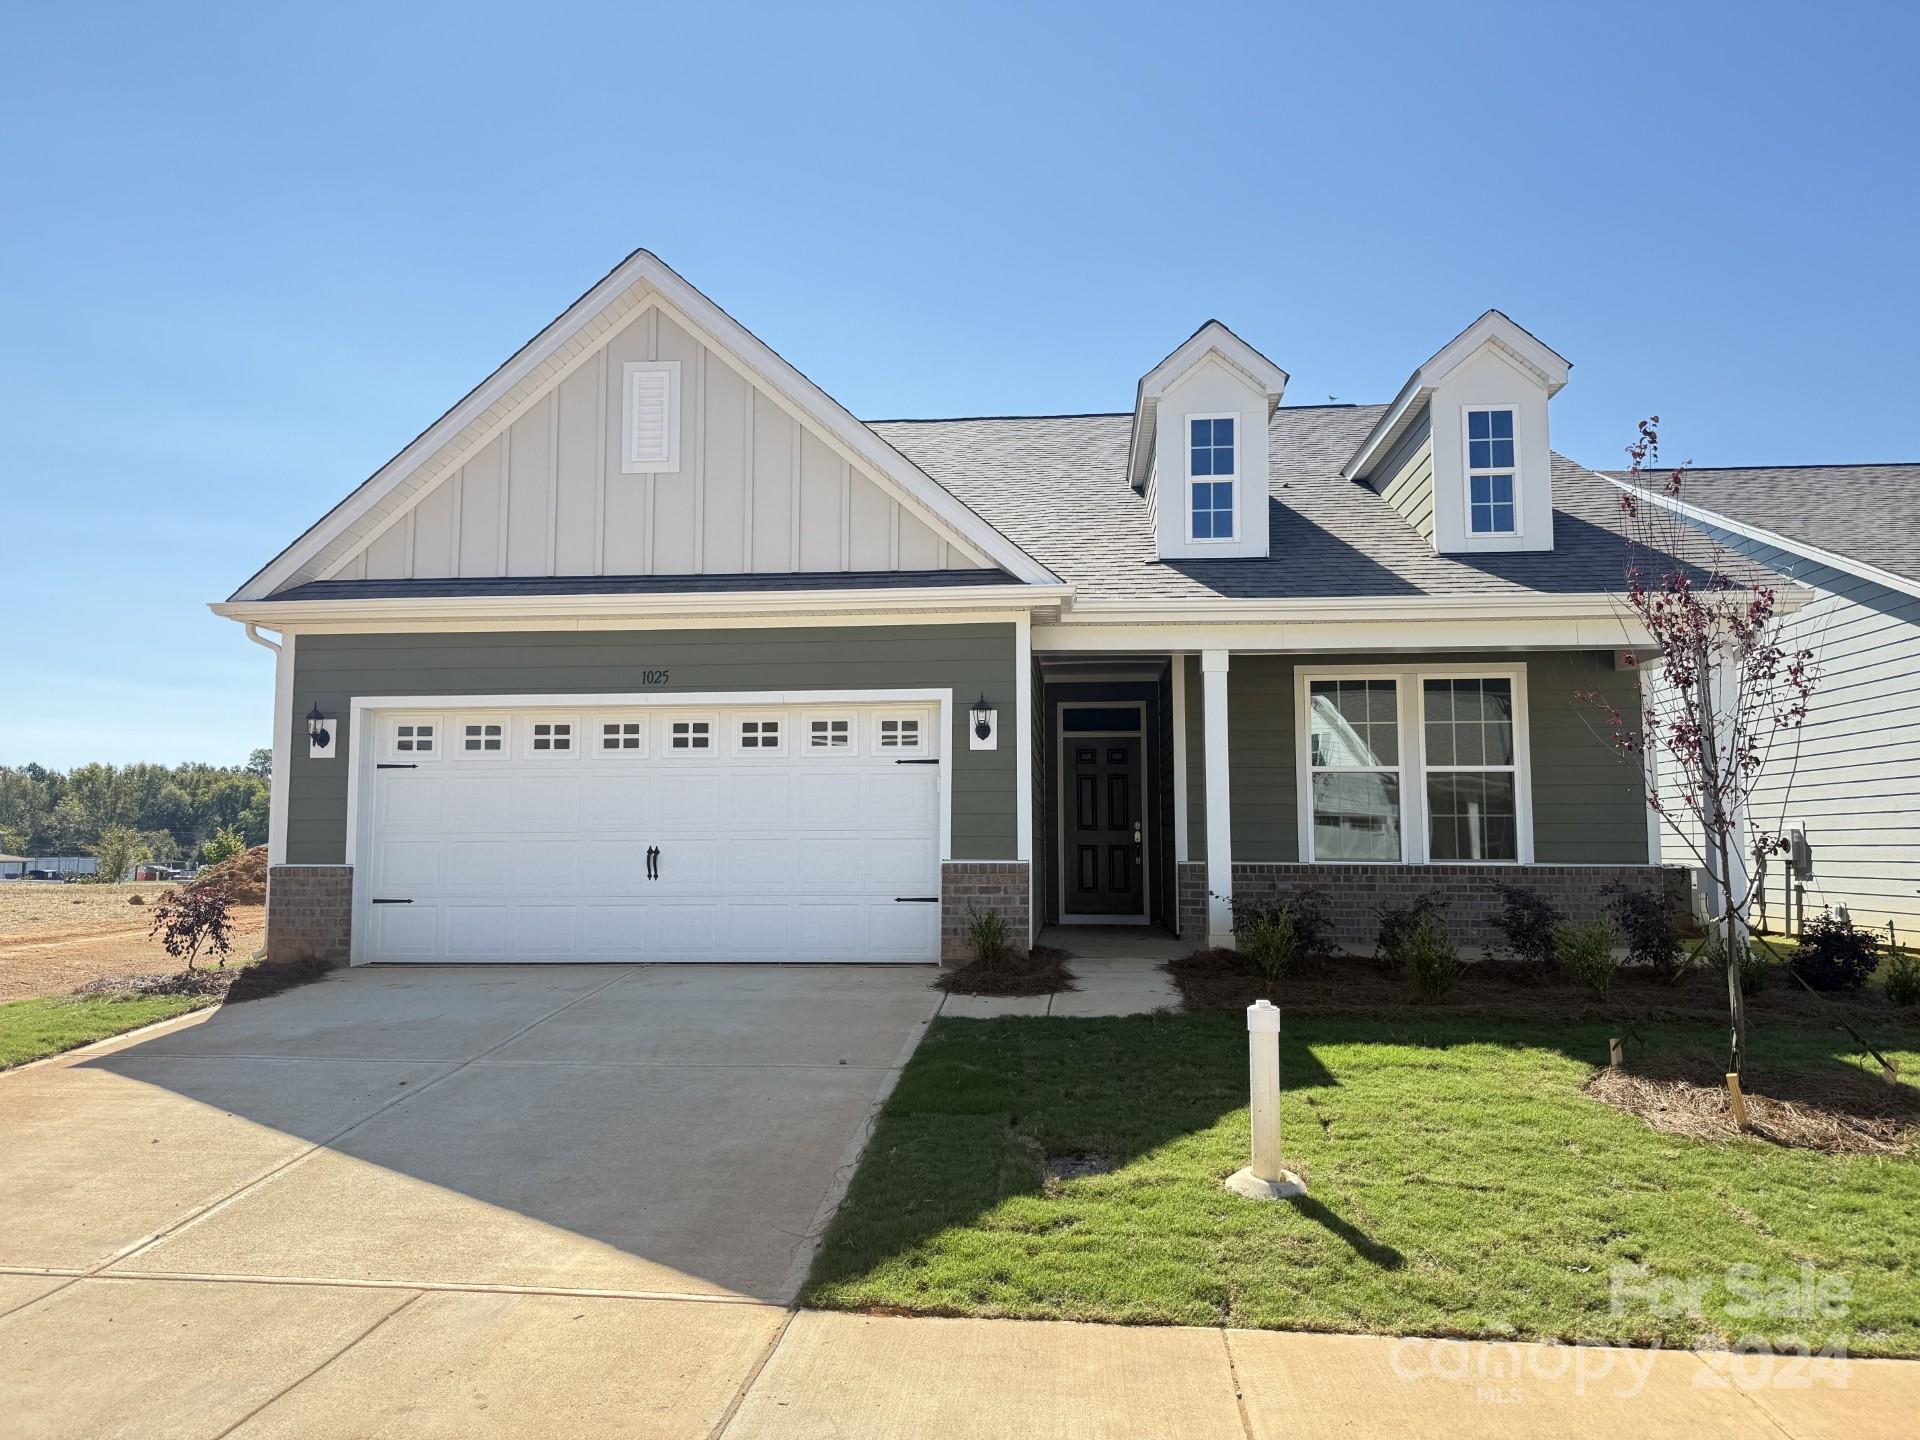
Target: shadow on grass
1362 1244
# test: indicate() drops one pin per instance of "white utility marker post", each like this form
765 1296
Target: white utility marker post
1264 1179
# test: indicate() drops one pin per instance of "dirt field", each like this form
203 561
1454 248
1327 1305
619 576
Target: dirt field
54 938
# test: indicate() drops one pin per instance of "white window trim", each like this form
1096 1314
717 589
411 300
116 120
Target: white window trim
1467 472
919 747
638 752
1186 441
712 747
459 737
573 748
736 731
630 462
390 738
804 739
1415 841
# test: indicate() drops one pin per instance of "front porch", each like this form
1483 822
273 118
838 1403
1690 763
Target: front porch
1162 784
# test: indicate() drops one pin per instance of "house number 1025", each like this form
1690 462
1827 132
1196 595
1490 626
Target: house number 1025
653 677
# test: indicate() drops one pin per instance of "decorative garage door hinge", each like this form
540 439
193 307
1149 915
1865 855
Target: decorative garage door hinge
393 765
378 901
917 762
916 899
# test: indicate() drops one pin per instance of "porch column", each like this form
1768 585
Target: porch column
1213 694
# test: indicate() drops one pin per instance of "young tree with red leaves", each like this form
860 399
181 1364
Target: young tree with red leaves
195 918
1727 690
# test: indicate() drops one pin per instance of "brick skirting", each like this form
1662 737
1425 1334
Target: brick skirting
1355 893
310 912
988 886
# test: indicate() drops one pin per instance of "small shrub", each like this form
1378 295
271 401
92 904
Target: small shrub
1903 979
1834 955
194 919
1397 922
989 936
1647 924
1528 921
1428 956
1270 939
1586 953
1756 970
225 844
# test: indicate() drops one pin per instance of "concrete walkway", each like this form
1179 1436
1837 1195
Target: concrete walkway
1117 968
579 1202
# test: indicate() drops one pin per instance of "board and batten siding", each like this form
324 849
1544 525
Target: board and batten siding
756 492
1851 773
332 670
1588 804
1405 477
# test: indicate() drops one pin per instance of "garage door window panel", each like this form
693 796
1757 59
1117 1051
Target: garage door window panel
903 733
484 739
553 737
690 735
760 734
831 735
618 738
413 738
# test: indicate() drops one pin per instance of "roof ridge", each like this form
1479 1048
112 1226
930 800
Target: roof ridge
1809 465
1088 414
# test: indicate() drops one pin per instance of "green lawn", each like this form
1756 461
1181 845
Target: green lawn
1460 1183
35 1029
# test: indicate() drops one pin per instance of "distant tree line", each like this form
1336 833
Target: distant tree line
125 814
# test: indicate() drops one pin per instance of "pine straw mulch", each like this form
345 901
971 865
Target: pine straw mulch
1226 980
247 982
1836 1108
1041 971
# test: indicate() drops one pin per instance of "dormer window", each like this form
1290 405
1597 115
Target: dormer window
1212 471
1490 471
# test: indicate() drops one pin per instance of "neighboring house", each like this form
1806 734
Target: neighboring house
1850 776
12 867
63 865
648 649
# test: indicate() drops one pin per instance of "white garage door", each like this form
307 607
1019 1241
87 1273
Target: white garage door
762 833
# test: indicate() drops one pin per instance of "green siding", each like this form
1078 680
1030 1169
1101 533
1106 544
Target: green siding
331 670
1588 808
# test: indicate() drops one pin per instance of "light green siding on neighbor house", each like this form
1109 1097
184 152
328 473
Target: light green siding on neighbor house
331 670
1588 807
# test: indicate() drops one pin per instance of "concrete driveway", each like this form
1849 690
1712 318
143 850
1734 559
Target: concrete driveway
425 1201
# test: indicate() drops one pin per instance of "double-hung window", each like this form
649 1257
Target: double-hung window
1413 767
1212 476
1490 472
1354 755
1468 746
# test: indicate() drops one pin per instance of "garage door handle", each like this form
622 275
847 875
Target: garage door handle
916 899
653 862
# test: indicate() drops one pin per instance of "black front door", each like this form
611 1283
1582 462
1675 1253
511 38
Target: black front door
1104 826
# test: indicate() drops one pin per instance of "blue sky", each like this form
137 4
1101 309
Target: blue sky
250 251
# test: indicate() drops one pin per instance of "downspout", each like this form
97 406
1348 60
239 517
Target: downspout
282 753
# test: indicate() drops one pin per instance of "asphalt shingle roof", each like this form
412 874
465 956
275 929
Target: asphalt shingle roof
1057 487
1869 513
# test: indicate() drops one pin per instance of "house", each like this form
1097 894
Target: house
1848 781
648 649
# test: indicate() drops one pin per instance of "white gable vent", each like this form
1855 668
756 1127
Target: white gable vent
651 423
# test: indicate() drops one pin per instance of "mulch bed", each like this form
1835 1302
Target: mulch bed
1836 1109
1041 971
1353 985
252 982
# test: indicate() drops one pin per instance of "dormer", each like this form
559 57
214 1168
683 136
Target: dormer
1199 448
1462 452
